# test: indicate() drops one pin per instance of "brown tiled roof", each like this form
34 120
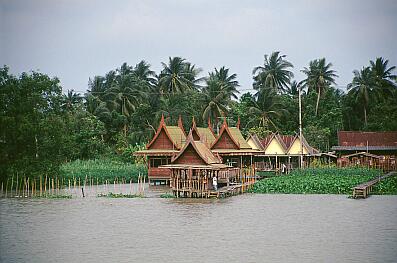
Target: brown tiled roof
206 135
237 136
174 133
201 149
360 139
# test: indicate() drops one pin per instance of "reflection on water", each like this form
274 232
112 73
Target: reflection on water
245 228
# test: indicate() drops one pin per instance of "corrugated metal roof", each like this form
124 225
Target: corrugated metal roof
360 139
364 148
287 140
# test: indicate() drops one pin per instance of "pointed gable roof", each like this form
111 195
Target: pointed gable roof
254 139
180 124
175 135
225 136
309 149
205 135
275 141
200 149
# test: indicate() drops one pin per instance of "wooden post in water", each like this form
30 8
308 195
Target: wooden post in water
41 186
6 187
45 184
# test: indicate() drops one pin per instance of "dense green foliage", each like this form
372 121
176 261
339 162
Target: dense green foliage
42 128
316 181
102 170
387 186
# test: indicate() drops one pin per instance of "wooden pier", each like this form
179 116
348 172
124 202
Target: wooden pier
363 190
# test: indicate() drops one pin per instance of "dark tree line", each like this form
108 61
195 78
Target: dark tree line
41 127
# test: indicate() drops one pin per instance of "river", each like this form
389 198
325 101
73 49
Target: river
244 228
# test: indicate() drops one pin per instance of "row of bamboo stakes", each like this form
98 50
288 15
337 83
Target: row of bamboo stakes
49 186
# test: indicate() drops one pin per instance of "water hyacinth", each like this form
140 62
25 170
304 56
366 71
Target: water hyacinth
316 181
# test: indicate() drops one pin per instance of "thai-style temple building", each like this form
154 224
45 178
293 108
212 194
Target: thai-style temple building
166 143
367 149
192 171
169 146
232 147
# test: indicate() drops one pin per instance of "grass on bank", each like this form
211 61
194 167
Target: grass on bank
319 181
102 170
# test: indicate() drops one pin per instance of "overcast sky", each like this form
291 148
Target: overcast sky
76 40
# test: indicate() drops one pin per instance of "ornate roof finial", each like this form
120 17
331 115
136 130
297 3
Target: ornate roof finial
238 123
162 118
193 122
180 124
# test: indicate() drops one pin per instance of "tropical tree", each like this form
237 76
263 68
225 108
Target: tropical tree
275 73
319 76
216 100
361 88
226 82
178 76
267 107
384 80
70 100
143 72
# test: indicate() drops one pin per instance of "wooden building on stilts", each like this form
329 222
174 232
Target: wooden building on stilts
194 167
166 143
233 148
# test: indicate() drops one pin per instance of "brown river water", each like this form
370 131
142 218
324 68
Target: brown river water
244 228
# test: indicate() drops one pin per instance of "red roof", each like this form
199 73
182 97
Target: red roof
357 138
287 139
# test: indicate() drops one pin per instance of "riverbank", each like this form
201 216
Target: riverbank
324 181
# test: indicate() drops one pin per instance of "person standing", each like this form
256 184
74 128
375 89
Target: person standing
215 183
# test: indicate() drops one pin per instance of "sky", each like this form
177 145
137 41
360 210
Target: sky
75 40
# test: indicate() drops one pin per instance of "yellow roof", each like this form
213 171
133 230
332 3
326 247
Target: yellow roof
177 135
206 135
238 137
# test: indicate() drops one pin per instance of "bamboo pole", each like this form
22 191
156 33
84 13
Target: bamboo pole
12 184
16 188
6 187
41 187
45 184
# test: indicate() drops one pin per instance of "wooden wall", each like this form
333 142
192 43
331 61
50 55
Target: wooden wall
189 156
162 142
225 142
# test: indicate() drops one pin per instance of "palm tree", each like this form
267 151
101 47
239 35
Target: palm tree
126 92
216 100
293 89
361 87
384 79
274 73
319 76
266 107
177 76
71 99
227 82
142 72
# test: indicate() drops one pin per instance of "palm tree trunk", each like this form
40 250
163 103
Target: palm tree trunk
365 116
318 100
